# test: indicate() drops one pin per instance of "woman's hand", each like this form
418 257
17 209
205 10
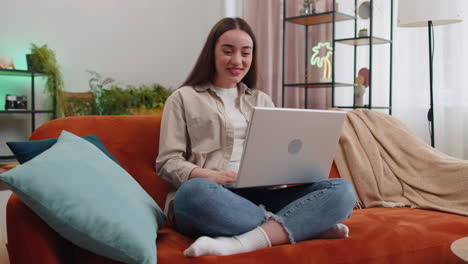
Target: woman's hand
219 177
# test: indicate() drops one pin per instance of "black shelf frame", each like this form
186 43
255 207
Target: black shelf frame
318 85
11 72
371 40
32 108
364 107
360 41
27 112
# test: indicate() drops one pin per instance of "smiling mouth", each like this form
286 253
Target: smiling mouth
235 71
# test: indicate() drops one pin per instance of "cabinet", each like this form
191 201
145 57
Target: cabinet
341 83
31 110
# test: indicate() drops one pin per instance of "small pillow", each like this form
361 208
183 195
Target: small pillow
90 200
27 150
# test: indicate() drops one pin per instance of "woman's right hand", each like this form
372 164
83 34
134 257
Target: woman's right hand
220 177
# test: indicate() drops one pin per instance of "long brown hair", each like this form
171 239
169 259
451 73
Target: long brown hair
204 70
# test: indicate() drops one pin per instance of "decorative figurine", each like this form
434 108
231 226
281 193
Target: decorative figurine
308 7
361 83
6 62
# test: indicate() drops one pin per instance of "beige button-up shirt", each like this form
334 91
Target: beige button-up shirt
195 131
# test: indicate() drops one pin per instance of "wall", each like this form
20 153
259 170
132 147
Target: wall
135 42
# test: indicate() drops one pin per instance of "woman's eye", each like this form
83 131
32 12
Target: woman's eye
246 53
227 51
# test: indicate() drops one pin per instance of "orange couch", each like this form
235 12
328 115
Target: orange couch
377 235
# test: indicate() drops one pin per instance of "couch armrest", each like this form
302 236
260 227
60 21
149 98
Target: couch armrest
30 239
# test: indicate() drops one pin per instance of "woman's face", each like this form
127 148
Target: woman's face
233 57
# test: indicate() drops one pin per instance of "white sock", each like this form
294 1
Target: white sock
338 231
220 246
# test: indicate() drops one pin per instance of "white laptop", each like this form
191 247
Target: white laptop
288 146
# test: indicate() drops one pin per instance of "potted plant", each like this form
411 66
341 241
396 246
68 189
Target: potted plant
44 61
111 99
79 104
363 32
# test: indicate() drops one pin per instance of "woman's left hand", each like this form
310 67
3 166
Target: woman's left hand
225 177
220 177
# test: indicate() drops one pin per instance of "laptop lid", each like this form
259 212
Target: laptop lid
289 146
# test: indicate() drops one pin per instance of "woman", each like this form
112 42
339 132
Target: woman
202 135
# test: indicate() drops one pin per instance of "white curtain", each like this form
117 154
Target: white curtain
411 83
452 92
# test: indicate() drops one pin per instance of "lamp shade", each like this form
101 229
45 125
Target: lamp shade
416 13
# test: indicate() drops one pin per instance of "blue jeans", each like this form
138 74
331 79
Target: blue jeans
203 207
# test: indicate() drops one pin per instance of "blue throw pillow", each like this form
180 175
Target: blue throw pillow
27 150
90 200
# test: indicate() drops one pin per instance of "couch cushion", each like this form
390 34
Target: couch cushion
133 140
90 200
377 235
27 150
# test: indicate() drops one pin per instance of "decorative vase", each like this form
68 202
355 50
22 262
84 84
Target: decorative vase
359 91
29 62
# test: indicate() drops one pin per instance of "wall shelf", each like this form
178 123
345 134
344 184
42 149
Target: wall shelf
363 41
321 18
32 111
303 78
8 72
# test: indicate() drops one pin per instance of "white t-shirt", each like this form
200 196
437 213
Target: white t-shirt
238 121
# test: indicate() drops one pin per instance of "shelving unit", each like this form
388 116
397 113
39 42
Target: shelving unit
333 17
32 111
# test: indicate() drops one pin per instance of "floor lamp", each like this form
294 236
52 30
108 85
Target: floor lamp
429 13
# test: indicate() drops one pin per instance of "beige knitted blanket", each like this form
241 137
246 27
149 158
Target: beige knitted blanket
390 166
